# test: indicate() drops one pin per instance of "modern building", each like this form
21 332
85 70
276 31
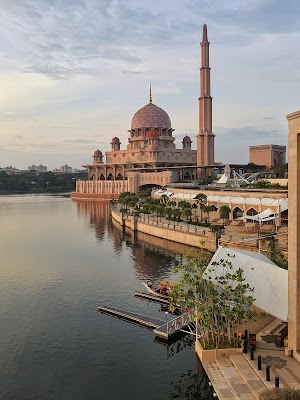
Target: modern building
151 157
267 154
65 169
37 168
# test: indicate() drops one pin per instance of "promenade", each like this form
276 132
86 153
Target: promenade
237 376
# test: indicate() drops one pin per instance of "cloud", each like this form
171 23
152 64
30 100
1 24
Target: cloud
9 112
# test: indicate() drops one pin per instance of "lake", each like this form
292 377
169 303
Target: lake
60 259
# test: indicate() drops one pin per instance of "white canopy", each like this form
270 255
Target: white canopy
269 281
266 215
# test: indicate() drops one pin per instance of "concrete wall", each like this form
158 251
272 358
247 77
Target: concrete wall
294 233
208 241
213 355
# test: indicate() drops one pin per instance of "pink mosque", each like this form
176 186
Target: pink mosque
151 157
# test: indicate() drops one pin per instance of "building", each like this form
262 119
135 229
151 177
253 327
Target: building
37 168
267 154
151 157
65 169
294 234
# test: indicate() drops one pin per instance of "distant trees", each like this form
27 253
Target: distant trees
39 182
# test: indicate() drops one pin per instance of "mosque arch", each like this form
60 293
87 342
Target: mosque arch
237 213
252 211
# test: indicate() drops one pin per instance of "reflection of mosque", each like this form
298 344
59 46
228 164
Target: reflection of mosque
153 258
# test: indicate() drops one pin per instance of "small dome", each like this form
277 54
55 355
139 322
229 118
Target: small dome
97 153
186 139
150 115
115 140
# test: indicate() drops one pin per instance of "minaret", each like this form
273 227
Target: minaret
150 94
205 137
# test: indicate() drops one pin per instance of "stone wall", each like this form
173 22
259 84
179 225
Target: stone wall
208 241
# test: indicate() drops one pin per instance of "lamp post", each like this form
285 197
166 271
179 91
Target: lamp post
166 312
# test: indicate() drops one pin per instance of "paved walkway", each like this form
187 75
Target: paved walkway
237 377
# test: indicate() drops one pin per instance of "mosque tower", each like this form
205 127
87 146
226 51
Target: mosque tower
205 137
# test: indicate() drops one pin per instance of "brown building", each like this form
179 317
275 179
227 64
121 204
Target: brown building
267 154
294 233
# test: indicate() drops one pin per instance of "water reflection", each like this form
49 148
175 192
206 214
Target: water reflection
191 386
153 257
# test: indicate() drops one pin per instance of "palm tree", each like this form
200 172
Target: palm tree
201 200
187 212
224 212
177 213
207 210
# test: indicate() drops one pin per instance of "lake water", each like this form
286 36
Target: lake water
59 259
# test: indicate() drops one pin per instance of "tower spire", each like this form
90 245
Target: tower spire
204 34
150 94
205 137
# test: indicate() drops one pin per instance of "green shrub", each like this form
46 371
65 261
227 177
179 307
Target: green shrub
280 394
216 228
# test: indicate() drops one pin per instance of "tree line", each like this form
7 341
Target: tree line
39 182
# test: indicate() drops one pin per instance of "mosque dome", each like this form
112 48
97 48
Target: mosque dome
97 153
186 139
151 116
115 140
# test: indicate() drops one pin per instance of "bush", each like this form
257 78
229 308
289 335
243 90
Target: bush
206 224
280 394
216 228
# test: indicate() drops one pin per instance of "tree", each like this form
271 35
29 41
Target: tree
224 212
280 394
177 213
201 200
188 213
218 297
207 210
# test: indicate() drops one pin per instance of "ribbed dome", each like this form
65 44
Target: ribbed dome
186 139
151 116
97 153
115 140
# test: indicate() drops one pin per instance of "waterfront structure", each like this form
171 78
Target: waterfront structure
242 203
294 233
267 154
151 157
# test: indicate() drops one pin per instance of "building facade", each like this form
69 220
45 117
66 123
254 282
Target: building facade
267 154
151 157
294 234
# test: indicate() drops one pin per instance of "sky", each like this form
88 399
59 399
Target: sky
73 73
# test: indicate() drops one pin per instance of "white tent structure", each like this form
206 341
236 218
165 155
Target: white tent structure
269 281
266 215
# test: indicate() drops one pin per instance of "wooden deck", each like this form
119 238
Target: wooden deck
142 320
151 297
160 328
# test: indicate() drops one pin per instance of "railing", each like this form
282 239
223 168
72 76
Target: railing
179 322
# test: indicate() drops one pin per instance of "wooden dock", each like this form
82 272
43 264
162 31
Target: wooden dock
142 320
160 328
151 297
